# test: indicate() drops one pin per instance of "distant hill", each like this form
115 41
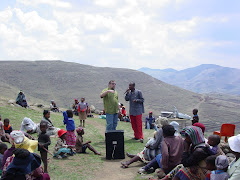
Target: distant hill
63 81
206 78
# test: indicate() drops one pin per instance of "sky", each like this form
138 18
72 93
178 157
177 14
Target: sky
132 34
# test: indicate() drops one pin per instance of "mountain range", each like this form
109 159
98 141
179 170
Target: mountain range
206 78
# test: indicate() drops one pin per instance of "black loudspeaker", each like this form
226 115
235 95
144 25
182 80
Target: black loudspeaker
115 144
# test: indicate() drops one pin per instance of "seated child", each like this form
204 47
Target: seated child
195 118
213 142
61 149
3 136
7 127
3 148
151 141
210 165
43 143
70 126
221 163
80 146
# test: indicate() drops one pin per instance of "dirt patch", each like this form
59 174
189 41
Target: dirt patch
112 168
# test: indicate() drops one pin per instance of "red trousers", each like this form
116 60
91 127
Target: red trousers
136 122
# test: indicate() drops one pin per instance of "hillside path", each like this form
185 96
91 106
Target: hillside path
112 168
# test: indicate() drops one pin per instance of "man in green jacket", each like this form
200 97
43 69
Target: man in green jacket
110 101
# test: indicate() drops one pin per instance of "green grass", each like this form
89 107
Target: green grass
80 166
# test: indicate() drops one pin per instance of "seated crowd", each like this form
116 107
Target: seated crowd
187 155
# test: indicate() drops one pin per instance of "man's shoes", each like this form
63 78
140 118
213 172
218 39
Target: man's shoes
141 140
134 138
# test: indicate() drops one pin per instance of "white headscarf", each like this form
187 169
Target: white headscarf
28 124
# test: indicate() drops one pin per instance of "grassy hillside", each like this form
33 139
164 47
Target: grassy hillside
63 81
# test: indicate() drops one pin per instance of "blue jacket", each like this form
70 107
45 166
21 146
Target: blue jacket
70 125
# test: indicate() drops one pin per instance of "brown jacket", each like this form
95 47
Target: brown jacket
172 150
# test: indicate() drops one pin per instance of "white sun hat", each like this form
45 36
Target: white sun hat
234 143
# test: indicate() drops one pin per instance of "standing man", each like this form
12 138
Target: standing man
110 101
136 100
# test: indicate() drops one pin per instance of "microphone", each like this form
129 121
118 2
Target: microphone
126 91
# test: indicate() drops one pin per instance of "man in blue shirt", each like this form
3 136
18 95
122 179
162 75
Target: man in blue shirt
150 120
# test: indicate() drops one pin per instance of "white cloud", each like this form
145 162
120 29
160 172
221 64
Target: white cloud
128 33
106 3
54 3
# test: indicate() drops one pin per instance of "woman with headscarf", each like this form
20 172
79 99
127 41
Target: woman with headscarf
30 126
21 99
234 167
22 165
151 151
20 141
51 130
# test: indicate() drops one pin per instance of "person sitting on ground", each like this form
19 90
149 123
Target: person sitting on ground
7 153
61 149
234 167
82 111
171 152
3 148
80 146
195 151
221 163
126 119
53 106
151 141
51 130
24 165
19 141
210 165
7 127
150 120
213 142
43 143
75 107
70 126
195 118
176 126
124 113
150 151
30 126
21 99
3 136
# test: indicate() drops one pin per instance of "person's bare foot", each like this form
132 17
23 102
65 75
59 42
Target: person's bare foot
97 153
124 165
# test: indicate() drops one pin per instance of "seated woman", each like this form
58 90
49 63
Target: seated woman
19 141
234 167
195 151
22 165
171 152
53 106
30 126
51 130
21 99
151 151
